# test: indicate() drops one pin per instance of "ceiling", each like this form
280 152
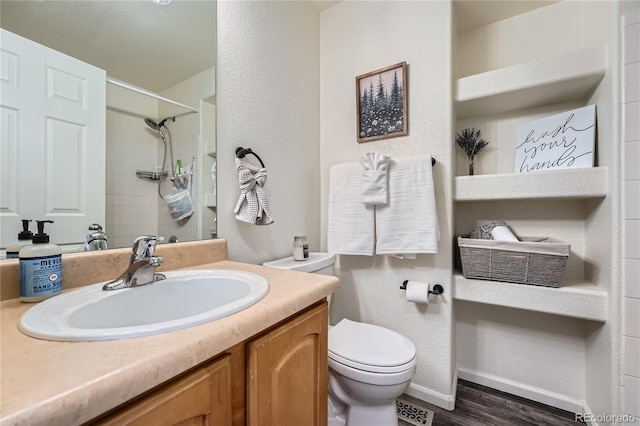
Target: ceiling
136 41
155 47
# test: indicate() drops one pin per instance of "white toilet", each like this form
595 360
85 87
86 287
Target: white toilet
369 366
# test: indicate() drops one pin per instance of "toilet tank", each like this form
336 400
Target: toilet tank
317 263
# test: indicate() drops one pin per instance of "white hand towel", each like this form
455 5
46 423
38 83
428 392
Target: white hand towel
252 206
350 227
374 178
409 223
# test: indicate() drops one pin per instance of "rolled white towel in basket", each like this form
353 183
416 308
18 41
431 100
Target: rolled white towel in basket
252 206
496 230
374 178
503 233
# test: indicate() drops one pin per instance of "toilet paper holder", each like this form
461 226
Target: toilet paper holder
437 288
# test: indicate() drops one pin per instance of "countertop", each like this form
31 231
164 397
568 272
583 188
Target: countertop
68 383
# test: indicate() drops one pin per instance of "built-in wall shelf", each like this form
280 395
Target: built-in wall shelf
574 298
558 184
569 77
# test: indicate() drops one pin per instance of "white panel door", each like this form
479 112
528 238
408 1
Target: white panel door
53 110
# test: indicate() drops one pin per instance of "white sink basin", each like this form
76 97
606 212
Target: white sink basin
185 299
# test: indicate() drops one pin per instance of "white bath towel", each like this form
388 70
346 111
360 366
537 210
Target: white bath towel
350 227
252 206
409 223
374 178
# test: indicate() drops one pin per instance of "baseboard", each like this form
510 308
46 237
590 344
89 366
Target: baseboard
448 402
523 390
587 418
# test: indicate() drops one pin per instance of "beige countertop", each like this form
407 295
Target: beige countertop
68 383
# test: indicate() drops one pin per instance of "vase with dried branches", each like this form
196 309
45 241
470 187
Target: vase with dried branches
469 140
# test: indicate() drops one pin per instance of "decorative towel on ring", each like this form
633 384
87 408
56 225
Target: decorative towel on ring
408 224
374 178
252 206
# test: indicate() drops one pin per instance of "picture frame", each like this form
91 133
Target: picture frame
560 141
381 104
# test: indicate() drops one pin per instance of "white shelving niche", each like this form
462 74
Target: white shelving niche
510 70
515 94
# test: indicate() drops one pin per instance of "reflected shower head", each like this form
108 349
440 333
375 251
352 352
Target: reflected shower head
157 126
151 123
161 124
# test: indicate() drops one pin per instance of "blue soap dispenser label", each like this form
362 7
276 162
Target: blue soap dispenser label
40 276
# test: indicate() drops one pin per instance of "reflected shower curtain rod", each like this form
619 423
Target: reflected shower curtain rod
147 93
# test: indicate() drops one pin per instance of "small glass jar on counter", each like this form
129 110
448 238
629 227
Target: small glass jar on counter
300 248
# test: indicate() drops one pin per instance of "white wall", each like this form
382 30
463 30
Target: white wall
356 38
268 100
631 211
547 31
131 146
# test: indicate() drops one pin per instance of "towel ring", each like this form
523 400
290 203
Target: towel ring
242 152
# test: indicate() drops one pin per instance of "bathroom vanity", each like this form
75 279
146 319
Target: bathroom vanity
264 365
291 357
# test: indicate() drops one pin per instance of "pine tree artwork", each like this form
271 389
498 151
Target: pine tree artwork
382 103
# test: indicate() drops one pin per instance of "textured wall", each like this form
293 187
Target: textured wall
268 100
356 38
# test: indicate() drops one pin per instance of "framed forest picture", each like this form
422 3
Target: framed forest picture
381 101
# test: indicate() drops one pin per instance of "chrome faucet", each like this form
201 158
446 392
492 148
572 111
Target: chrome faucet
142 267
96 238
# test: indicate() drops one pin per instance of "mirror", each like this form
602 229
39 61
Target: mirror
167 50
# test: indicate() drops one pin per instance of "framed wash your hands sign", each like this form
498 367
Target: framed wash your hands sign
561 141
381 101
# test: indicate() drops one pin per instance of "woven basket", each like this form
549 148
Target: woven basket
533 260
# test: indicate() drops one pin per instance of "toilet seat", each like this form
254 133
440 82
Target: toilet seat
370 348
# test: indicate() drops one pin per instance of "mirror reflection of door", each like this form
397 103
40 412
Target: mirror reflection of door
53 141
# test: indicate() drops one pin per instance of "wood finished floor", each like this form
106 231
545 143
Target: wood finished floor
478 405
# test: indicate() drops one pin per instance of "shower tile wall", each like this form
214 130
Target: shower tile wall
131 203
631 213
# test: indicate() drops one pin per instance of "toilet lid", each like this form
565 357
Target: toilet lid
368 344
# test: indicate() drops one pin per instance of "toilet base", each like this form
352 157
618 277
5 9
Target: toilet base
380 415
340 414
364 416
336 412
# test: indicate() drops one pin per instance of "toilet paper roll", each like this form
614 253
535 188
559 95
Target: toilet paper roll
417 292
502 233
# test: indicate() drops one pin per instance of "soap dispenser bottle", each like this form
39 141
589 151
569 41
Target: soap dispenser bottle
24 239
40 267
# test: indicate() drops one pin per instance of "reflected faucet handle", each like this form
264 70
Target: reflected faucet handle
144 246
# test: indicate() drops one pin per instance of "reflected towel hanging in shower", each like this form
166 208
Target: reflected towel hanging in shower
252 206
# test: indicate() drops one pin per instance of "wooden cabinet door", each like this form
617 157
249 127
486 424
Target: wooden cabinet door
287 373
201 398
